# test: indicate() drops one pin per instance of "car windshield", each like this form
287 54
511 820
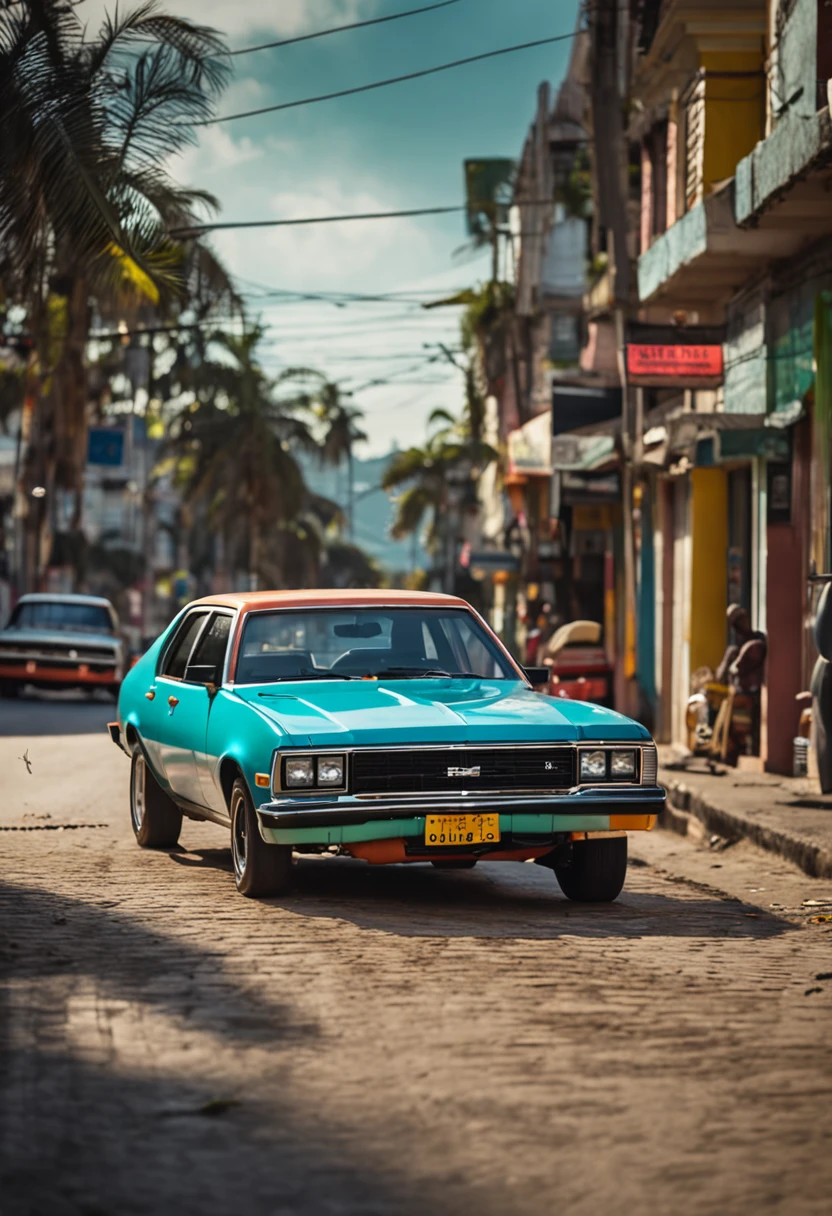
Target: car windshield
57 615
383 643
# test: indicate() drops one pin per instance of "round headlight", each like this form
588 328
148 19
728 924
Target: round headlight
331 770
593 765
623 764
300 772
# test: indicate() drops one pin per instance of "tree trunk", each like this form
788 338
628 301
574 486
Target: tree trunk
71 413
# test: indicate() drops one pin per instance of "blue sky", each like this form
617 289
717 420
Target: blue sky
389 149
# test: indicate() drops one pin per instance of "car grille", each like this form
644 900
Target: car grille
44 653
425 770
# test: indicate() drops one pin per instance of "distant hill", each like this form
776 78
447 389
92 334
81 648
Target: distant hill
373 514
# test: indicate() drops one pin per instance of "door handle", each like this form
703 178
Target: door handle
150 694
173 702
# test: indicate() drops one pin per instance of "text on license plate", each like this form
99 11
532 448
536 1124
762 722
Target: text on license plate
458 830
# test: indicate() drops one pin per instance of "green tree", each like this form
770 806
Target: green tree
88 124
436 479
235 453
338 425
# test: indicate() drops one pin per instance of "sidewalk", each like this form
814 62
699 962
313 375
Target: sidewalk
781 814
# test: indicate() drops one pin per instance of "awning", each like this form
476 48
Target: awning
485 562
734 436
530 448
581 452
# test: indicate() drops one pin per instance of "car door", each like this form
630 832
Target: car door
183 705
205 668
155 717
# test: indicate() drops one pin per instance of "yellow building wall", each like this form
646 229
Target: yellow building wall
734 112
709 567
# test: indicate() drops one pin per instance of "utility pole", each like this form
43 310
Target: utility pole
609 37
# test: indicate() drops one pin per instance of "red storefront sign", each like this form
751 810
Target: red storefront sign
648 362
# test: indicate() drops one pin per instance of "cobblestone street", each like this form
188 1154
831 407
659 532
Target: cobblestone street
393 1040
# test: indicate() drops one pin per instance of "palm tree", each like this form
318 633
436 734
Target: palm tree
338 421
234 448
433 476
85 202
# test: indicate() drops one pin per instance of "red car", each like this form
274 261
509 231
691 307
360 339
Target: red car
579 664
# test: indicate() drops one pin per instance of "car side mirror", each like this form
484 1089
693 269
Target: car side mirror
537 676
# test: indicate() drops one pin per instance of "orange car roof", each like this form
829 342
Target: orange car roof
251 601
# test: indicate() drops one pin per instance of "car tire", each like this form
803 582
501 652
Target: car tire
593 871
260 870
453 864
9 690
156 819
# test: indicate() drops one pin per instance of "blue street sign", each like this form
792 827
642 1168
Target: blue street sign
105 446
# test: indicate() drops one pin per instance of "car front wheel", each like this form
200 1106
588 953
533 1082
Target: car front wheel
156 819
260 869
593 871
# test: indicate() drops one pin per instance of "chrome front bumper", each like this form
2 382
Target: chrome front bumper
348 810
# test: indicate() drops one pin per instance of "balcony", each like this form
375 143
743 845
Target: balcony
790 167
702 259
771 173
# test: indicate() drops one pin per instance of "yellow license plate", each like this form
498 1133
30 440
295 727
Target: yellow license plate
444 831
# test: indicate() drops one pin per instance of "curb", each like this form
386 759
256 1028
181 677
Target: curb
813 859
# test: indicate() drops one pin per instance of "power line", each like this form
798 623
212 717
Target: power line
300 221
344 299
199 229
405 371
381 84
349 295
340 29
404 326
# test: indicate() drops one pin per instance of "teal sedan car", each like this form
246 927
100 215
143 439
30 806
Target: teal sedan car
389 726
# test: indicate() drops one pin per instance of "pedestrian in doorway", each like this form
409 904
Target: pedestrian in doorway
743 664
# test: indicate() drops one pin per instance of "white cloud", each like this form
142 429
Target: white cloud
216 151
240 19
356 256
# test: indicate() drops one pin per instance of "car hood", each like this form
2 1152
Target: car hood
58 637
370 712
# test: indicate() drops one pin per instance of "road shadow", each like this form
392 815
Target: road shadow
44 934
83 1131
35 715
203 859
499 900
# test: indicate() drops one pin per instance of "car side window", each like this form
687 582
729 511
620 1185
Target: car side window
179 653
206 662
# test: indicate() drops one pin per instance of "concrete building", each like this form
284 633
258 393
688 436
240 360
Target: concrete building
734 127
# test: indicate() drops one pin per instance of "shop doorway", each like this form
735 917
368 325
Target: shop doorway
739 538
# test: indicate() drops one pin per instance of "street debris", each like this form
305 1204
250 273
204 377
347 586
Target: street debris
210 1109
49 827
